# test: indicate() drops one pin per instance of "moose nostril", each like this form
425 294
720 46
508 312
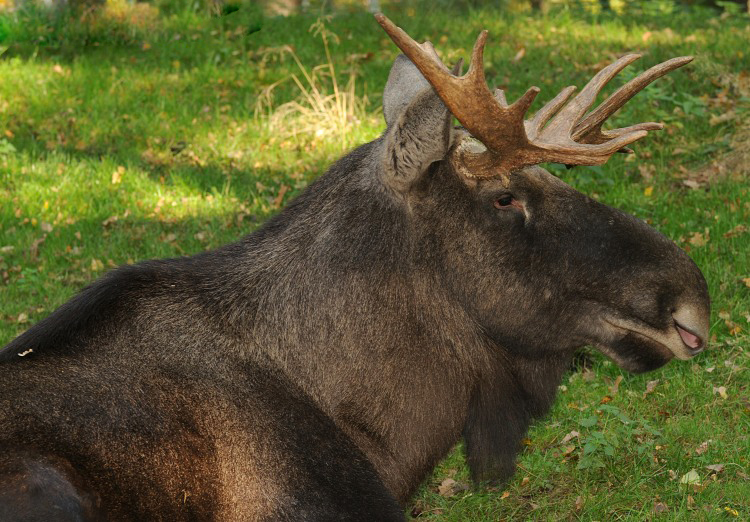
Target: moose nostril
694 342
691 322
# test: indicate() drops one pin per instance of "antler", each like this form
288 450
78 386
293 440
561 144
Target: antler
513 142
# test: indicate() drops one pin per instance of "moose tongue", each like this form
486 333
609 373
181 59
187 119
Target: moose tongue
693 341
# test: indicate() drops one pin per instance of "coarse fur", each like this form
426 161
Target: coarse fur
320 367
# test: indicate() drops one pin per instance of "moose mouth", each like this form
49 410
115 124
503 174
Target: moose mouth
683 342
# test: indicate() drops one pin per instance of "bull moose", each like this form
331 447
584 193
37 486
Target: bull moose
434 284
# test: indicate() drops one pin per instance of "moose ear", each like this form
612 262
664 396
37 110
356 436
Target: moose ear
419 124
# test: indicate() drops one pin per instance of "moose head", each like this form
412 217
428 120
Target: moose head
433 284
540 266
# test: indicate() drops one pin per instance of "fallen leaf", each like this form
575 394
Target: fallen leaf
691 477
690 502
520 54
736 231
117 175
699 240
22 318
746 280
731 511
567 438
579 503
722 391
7 249
650 387
505 494
96 265
525 481
703 447
716 468
450 487
446 487
280 196
568 450
731 365
691 183
34 248
615 386
660 507
647 171
672 474
646 36
722 118
46 227
648 191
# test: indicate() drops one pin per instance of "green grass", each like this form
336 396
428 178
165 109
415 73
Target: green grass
121 142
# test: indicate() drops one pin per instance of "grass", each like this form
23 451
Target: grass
136 135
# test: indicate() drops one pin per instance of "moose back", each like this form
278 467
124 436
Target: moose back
432 285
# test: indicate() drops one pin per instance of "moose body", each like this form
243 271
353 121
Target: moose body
319 368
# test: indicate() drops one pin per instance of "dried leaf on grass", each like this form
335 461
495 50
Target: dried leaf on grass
450 487
691 477
567 438
736 231
650 387
117 175
703 447
699 239
722 118
615 386
34 248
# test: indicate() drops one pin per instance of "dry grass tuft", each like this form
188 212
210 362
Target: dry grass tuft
323 110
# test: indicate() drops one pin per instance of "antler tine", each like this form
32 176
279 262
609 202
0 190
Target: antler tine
588 130
498 127
567 118
543 115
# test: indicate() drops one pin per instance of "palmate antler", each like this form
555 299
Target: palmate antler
557 133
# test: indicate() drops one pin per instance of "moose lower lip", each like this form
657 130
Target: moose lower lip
642 330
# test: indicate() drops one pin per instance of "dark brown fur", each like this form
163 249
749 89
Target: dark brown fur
320 367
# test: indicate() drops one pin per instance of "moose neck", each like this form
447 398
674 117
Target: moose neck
373 336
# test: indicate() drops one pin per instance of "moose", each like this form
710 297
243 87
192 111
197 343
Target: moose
433 285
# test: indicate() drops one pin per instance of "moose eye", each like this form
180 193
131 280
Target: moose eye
503 201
